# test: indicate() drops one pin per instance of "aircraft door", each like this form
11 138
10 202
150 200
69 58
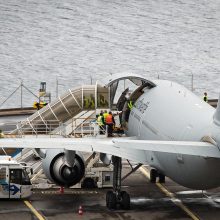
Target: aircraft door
15 181
4 187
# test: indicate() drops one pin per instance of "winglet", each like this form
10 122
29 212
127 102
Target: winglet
216 116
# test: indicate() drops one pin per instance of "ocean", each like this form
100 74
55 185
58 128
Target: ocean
76 42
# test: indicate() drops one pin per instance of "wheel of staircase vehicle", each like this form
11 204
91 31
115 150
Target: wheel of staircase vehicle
89 183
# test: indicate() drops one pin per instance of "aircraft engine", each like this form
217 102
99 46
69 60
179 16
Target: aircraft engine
65 168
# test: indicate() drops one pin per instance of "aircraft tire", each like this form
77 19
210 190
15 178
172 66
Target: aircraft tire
153 175
111 200
125 200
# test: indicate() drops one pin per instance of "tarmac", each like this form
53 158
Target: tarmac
148 201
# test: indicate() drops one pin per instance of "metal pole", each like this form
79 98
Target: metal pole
21 94
192 86
57 87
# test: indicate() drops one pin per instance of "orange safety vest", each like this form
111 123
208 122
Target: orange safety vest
108 119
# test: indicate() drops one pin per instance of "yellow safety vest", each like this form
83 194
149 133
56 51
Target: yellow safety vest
130 105
35 105
205 98
99 120
105 116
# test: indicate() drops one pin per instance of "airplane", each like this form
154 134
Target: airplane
169 128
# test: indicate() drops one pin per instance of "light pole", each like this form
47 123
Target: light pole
192 79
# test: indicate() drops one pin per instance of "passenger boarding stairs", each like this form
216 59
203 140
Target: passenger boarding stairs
67 113
75 125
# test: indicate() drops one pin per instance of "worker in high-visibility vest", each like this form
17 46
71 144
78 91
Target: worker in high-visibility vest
130 105
105 114
36 105
101 123
110 122
128 110
205 97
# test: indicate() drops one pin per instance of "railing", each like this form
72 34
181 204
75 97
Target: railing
91 129
77 128
34 128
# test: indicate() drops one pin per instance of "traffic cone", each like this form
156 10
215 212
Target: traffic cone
62 189
80 211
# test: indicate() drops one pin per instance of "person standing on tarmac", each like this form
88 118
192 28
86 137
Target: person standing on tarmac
110 122
205 97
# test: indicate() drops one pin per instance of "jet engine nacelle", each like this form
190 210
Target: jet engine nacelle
57 170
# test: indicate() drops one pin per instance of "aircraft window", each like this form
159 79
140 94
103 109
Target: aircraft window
3 175
107 178
15 176
25 178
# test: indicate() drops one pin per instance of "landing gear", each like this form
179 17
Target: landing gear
117 197
154 174
161 178
125 200
111 200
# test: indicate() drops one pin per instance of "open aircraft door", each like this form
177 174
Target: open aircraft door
112 83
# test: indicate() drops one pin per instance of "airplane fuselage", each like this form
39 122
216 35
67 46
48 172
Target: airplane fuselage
171 112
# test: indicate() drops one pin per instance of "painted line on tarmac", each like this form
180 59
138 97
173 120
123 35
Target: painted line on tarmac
175 200
33 210
57 192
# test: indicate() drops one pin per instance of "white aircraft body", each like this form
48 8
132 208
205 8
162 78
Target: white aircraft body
173 113
169 128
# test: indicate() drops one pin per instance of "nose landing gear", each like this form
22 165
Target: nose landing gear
117 197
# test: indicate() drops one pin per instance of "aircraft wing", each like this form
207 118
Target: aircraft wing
135 150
